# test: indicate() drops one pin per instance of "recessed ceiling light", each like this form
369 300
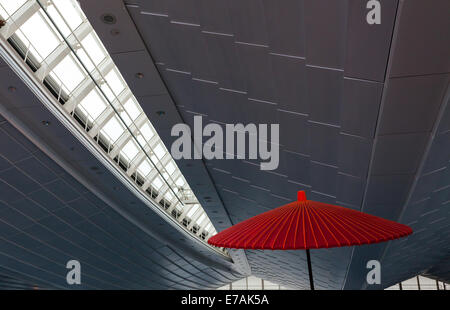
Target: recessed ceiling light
108 19
45 123
12 89
139 75
160 113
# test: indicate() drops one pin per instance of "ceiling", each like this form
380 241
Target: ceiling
364 123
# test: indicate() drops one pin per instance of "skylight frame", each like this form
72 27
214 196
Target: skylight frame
163 156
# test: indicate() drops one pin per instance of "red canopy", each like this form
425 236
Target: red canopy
306 224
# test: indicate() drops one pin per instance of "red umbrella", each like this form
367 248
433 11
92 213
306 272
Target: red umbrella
306 224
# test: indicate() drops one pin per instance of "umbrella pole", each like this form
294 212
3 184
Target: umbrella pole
311 281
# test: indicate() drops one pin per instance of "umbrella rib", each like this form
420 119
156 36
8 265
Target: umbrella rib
381 228
303 224
361 223
310 225
296 228
289 228
273 227
313 216
282 225
337 230
350 230
354 215
264 222
326 226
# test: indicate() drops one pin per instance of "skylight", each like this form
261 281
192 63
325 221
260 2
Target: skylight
40 35
11 6
72 80
55 38
113 129
93 104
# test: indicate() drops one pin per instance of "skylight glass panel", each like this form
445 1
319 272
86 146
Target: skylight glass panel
130 150
170 168
115 82
144 168
11 6
201 218
127 120
154 159
85 60
147 132
113 129
72 13
107 91
159 151
56 17
169 196
157 183
69 72
94 104
41 36
93 48
180 182
192 210
141 140
132 109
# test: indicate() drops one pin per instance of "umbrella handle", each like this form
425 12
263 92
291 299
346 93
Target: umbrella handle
311 281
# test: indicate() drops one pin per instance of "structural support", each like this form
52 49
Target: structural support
311 281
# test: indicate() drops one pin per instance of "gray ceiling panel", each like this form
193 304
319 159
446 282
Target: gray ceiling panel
285 30
216 17
412 103
422 46
223 49
289 81
359 109
19 180
324 141
140 62
324 94
40 173
387 190
184 11
294 132
350 191
325 24
257 68
368 45
323 179
398 154
32 209
353 155
248 20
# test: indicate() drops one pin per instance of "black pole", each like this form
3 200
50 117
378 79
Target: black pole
311 281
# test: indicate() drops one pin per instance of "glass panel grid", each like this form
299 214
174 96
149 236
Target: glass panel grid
84 60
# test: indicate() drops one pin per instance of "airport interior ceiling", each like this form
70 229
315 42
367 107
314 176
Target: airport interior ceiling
364 123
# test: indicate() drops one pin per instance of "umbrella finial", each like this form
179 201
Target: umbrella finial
301 196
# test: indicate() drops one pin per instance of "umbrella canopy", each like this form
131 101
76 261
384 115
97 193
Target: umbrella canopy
306 224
